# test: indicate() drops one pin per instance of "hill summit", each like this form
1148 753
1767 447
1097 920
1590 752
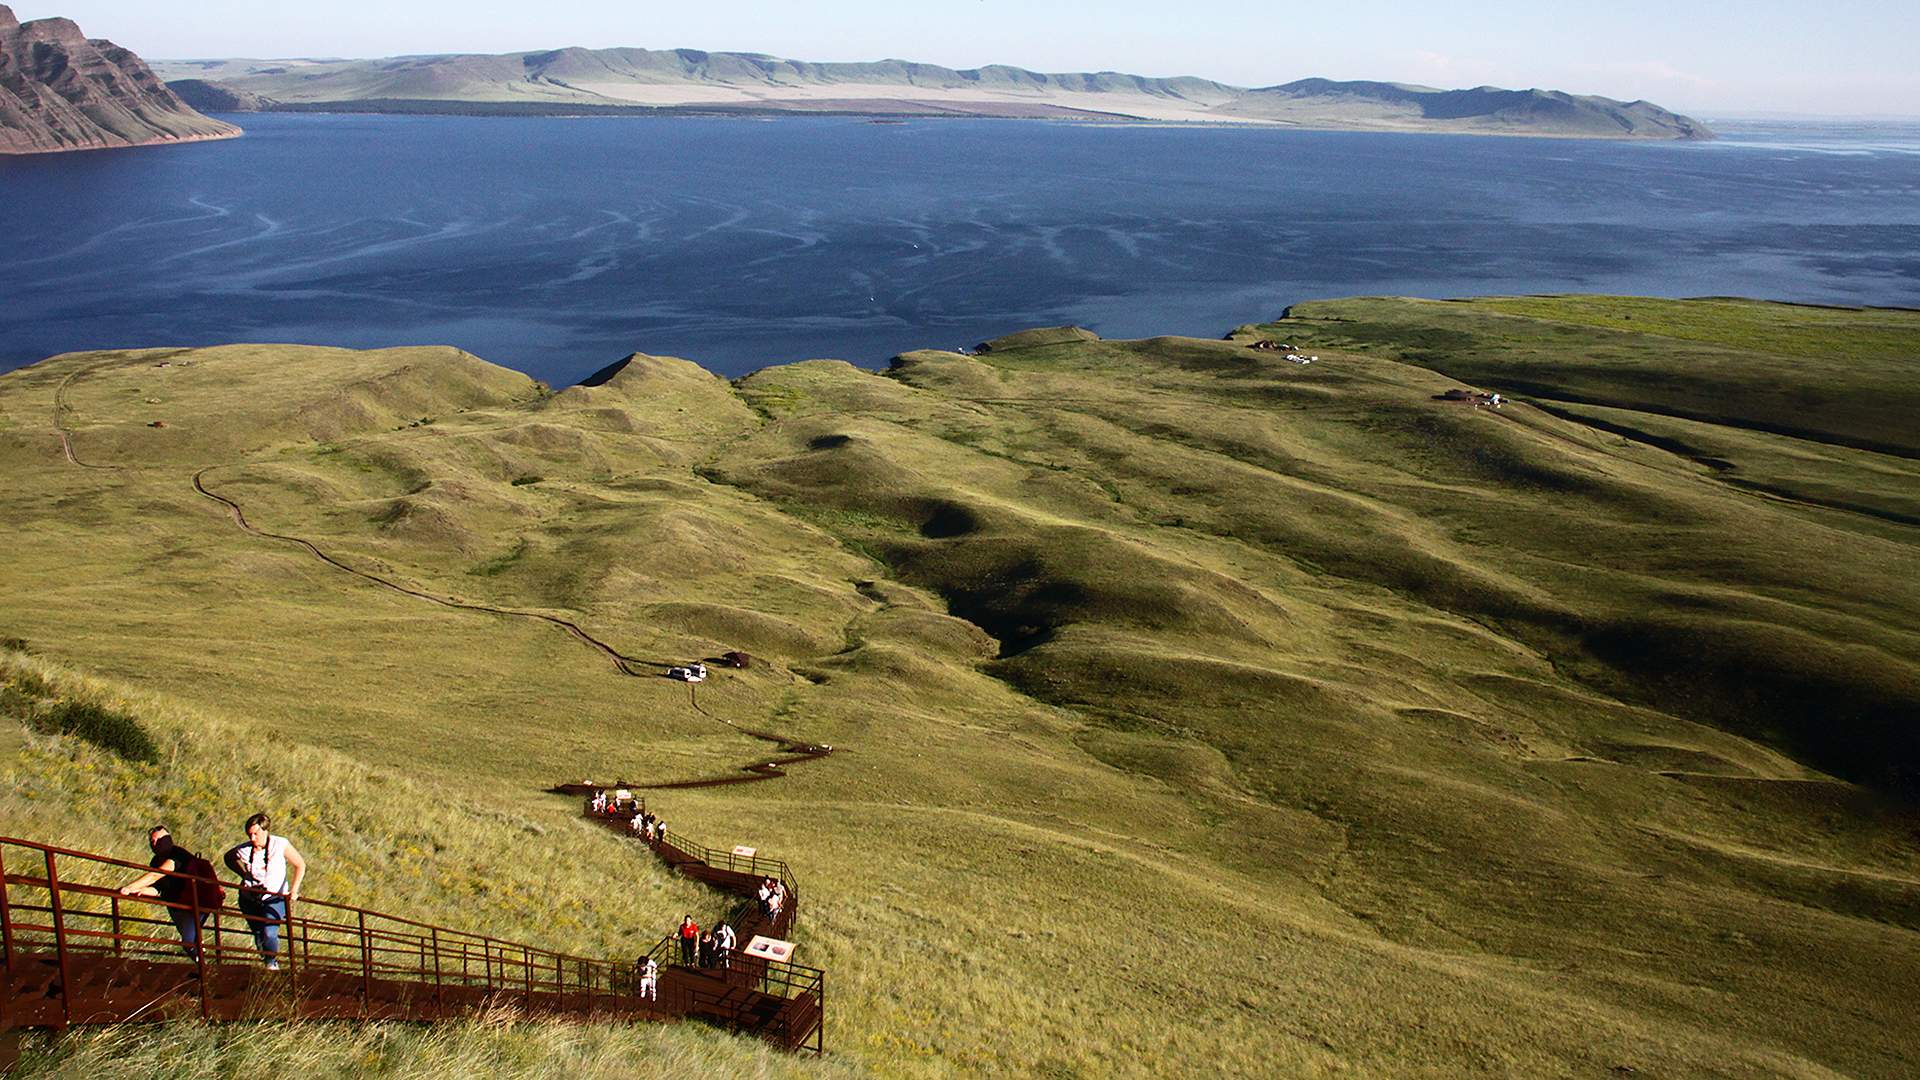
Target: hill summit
60 90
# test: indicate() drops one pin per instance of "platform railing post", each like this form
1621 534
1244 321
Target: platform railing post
119 946
439 996
200 946
366 967
526 960
59 939
192 883
6 918
286 938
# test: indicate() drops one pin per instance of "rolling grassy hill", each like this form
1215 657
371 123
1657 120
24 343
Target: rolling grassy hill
1195 711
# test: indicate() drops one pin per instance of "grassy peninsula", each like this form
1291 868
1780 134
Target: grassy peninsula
1196 711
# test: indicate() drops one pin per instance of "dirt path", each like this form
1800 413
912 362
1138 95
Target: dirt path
60 410
627 665
794 751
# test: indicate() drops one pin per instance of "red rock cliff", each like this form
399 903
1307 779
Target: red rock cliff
61 91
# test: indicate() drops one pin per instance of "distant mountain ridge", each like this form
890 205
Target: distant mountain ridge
1486 108
558 80
60 91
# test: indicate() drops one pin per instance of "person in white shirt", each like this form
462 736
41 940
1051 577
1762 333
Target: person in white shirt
650 978
263 864
723 941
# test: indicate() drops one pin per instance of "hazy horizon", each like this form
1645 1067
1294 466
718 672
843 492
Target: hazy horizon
1852 62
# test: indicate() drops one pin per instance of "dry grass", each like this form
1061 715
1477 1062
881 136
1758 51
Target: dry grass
1198 712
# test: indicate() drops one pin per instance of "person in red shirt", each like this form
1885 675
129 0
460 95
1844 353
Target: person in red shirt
689 940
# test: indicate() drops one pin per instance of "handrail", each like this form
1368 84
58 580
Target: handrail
341 937
790 979
54 908
718 858
108 860
726 859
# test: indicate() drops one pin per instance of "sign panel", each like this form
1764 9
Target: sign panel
767 948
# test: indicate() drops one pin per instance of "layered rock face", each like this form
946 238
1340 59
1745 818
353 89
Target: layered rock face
61 91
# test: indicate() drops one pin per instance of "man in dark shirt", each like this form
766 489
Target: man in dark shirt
168 859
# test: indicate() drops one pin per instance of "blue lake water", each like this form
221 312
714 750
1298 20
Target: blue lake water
556 246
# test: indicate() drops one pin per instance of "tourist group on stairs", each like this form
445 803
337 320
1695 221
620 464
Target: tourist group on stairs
705 948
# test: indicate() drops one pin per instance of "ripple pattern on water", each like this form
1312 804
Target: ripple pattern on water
556 246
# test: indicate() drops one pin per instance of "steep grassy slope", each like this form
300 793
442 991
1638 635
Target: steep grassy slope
380 839
1807 407
1204 711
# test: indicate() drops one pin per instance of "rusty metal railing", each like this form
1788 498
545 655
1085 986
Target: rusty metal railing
67 904
800 1021
719 858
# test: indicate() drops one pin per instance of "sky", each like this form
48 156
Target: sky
1727 58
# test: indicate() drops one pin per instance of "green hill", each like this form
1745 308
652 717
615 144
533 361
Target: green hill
1196 711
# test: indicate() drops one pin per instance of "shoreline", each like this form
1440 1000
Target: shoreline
171 140
1050 113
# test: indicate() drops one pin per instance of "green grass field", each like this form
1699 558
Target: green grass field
1195 712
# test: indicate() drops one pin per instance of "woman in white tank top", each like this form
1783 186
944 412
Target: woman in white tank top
263 864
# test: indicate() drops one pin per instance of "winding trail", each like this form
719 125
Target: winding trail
793 751
796 752
627 665
60 410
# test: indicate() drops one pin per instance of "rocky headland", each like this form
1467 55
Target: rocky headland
60 90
